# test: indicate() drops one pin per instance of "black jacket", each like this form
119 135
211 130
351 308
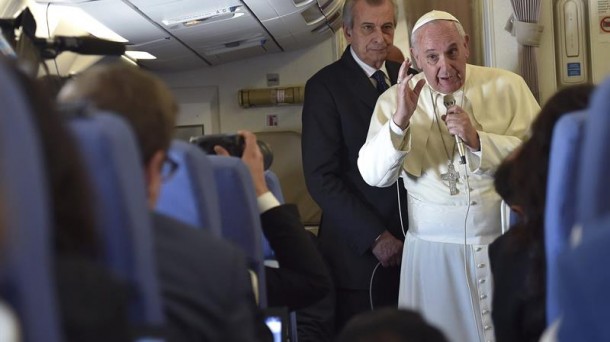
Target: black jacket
339 102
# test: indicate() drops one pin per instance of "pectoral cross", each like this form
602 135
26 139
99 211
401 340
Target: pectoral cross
452 177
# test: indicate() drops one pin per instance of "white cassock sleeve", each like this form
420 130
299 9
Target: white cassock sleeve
381 157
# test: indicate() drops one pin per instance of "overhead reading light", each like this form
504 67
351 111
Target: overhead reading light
139 54
202 17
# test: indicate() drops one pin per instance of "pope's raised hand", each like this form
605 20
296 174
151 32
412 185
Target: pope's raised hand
407 97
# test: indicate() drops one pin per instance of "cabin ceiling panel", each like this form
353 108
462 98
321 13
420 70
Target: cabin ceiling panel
211 32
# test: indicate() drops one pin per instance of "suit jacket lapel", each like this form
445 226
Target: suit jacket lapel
392 68
360 84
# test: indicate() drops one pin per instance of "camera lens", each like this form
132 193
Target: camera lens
234 144
267 153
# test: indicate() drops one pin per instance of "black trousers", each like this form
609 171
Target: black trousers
383 293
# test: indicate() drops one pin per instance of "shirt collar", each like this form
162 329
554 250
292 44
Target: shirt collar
369 70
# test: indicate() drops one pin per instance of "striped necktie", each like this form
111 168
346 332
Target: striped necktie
381 83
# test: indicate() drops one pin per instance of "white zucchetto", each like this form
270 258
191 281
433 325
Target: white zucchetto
431 16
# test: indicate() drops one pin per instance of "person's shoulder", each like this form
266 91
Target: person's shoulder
331 72
169 230
392 65
495 248
510 246
492 73
328 73
284 209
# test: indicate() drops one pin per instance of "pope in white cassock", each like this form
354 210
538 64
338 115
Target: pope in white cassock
454 211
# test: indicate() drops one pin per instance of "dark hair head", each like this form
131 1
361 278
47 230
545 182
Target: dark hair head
522 180
390 325
72 213
142 98
532 162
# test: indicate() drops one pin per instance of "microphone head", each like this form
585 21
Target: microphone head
448 100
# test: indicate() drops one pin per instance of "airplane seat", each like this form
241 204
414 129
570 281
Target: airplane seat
593 185
26 280
112 158
583 286
561 196
273 182
240 214
288 166
191 195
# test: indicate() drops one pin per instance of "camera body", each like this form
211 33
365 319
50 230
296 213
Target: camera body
234 144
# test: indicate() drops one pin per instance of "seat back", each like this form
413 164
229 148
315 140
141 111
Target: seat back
240 214
191 195
593 184
561 196
273 182
112 158
583 283
26 280
288 166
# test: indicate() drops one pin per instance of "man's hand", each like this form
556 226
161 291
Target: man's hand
388 249
253 158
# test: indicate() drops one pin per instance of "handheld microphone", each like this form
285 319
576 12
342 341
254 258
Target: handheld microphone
449 101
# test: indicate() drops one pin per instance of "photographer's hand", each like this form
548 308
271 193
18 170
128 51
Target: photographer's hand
253 158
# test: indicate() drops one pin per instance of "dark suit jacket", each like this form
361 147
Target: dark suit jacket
93 303
206 288
339 102
302 278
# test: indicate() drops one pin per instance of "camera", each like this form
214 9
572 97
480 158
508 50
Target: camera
234 144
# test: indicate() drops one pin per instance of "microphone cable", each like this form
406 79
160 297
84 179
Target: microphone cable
402 225
371 285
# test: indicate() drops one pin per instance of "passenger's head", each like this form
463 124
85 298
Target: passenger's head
529 164
141 98
394 54
389 325
532 159
368 25
70 191
439 46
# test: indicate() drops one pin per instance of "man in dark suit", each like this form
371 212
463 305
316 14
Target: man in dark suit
206 288
360 225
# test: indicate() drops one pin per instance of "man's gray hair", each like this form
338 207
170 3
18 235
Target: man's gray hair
348 15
